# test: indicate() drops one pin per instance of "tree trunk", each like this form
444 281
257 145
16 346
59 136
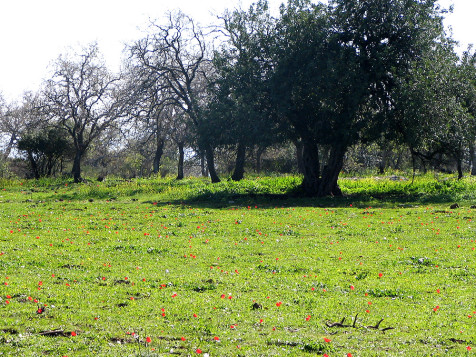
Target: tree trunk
9 147
459 164
311 168
328 185
240 163
259 152
180 161
202 164
158 154
299 154
76 171
34 166
383 162
211 164
398 161
473 159
49 166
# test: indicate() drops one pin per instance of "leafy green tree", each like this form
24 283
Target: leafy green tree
45 151
335 69
468 69
434 106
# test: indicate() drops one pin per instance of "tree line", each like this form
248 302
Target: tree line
320 77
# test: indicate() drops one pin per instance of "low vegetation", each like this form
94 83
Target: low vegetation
162 267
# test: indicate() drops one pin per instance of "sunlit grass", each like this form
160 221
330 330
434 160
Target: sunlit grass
236 268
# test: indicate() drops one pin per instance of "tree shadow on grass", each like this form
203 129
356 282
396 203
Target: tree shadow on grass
293 199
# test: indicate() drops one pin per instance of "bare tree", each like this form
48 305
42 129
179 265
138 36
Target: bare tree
17 119
175 53
82 97
149 108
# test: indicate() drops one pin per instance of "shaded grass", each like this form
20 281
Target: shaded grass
389 190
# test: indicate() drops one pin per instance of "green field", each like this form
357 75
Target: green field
160 267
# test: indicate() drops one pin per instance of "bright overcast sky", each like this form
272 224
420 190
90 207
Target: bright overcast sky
33 33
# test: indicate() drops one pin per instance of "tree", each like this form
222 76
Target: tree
149 110
176 54
433 104
82 98
468 69
241 102
155 115
45 150
335 71
16 119
179 133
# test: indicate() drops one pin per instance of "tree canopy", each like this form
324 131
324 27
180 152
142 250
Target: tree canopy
323 77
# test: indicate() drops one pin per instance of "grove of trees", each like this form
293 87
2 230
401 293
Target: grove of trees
317 89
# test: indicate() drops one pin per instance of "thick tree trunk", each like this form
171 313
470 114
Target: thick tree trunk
311 168
159 151
211 164
76 171
180 161
473 159
299 158
239 163
328 185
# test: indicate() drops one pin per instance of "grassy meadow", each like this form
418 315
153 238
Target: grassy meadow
161 267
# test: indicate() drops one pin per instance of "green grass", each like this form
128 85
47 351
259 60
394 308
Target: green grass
237 269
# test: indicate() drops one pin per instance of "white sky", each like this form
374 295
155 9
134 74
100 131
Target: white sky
33 33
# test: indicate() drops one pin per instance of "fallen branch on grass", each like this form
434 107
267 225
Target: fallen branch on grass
53 333
337 324
341 324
